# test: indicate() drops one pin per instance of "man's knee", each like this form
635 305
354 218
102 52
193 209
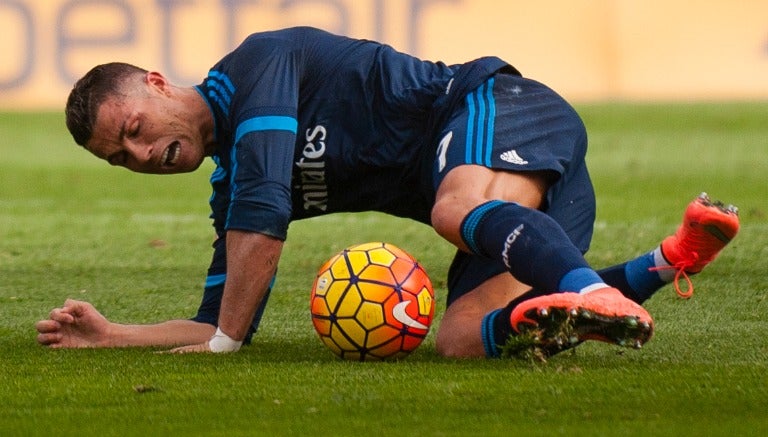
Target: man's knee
459 340
446 218
468 186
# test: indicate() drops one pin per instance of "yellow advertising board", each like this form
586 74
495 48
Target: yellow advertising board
586 49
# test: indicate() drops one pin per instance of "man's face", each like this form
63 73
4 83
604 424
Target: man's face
148 129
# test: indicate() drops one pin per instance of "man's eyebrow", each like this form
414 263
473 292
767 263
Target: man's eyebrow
120 137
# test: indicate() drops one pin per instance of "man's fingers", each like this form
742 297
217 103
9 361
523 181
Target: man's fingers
49 332
62 315
49 339
75 307
45 326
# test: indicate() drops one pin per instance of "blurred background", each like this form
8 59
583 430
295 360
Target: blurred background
588 50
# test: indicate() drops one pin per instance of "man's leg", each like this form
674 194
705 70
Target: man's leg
495 214
512 189
536 252
558 322
460 330
707 227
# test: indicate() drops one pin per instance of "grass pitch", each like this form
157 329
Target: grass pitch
137 247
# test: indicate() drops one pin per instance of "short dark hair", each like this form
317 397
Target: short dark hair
101 82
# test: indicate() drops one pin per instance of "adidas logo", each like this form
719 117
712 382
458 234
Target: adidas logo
512 157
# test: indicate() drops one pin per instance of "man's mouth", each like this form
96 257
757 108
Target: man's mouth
171 154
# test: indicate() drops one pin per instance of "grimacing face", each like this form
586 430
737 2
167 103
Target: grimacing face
148 129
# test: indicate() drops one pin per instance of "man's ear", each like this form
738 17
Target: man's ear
158 81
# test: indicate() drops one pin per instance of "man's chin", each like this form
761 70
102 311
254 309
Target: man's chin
184 167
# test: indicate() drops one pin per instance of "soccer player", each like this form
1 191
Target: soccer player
302 123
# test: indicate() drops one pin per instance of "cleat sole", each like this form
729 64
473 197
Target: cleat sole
564 329
550 324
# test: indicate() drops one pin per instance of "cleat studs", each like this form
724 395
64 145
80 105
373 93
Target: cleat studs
573 312
543 312
586 314
573 339
646 326
638 344
622 342
631 322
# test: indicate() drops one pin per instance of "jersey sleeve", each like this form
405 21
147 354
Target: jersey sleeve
264 120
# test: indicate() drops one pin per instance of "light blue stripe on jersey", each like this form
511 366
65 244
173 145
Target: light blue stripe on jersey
208 103
222 104
470 127
266 122
215 280
224 79
481 108
491 121
219 174
480 132
221 89
256 124
232 183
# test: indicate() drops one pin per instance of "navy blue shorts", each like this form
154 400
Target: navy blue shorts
517 124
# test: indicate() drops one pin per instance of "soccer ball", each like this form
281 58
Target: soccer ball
372 301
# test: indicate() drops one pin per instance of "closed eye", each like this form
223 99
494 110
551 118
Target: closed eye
134 132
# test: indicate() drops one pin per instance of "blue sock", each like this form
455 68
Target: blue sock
488 333
496 329
532 245
642 280
581 280
634 278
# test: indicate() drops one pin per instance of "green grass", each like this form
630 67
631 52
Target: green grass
138 246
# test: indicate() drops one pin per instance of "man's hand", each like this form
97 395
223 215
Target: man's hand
75 325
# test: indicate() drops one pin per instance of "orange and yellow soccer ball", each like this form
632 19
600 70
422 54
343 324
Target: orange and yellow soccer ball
372 301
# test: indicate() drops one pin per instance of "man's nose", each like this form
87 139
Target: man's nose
142 153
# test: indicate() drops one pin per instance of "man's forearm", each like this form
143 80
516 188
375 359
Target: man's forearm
251 264
170 333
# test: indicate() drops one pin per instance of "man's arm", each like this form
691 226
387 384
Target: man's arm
79 325
251 264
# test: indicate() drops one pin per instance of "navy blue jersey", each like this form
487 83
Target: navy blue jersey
309 123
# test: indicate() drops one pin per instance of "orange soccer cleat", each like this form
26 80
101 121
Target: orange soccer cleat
553 323
708 226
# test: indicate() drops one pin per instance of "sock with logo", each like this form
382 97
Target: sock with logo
635 279
531 244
